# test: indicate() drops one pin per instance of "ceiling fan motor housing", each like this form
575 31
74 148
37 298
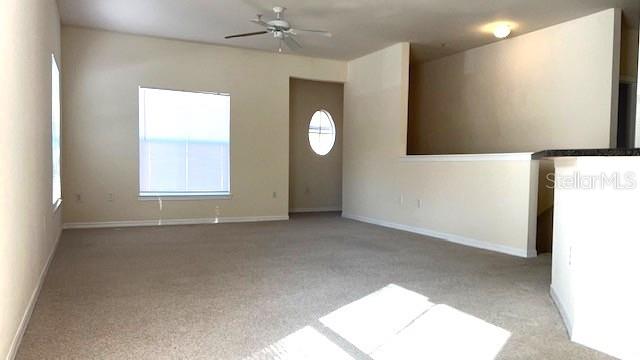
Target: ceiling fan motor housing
279 24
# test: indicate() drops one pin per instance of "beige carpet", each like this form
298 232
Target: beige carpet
265 290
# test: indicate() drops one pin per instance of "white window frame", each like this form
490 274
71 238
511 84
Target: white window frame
160 196
333 128
56 202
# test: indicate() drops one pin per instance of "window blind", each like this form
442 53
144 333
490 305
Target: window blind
184 143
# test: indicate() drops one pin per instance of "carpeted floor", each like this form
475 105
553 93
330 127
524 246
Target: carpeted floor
227 291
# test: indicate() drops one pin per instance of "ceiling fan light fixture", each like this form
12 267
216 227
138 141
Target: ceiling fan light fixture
501 31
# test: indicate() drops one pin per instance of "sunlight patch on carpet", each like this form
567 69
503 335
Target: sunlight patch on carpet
394 323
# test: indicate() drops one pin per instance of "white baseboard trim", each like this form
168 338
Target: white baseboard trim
562 310
458 239
315 209
161 222
26 316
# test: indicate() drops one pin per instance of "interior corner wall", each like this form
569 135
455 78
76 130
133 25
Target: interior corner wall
552 88
615 76
637 137
29 227
629 54
101 122
315 181
485 204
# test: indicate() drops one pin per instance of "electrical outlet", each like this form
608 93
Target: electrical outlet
419 203
110 197
275 194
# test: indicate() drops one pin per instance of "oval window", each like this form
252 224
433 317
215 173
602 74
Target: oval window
322 132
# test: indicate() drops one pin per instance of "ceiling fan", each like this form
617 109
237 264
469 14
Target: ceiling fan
281 30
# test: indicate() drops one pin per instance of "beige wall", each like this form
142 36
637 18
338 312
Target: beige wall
315 181
548 89
101 122
483 203
29 227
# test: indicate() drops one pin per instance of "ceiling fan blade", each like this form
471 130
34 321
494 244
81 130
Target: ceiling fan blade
318 32
246 34
291 43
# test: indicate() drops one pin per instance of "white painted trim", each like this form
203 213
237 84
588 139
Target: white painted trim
316 209
184 197
187 91
467 157
26 316
562 310
458 239
160 222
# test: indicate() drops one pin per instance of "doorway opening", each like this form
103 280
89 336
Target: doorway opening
315 146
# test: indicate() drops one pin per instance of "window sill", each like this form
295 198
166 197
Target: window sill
187 197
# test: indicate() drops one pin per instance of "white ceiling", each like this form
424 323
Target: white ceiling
359 26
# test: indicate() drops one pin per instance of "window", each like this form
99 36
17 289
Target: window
322 132
184 143
55 133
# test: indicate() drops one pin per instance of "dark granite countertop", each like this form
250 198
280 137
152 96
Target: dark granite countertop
585 152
